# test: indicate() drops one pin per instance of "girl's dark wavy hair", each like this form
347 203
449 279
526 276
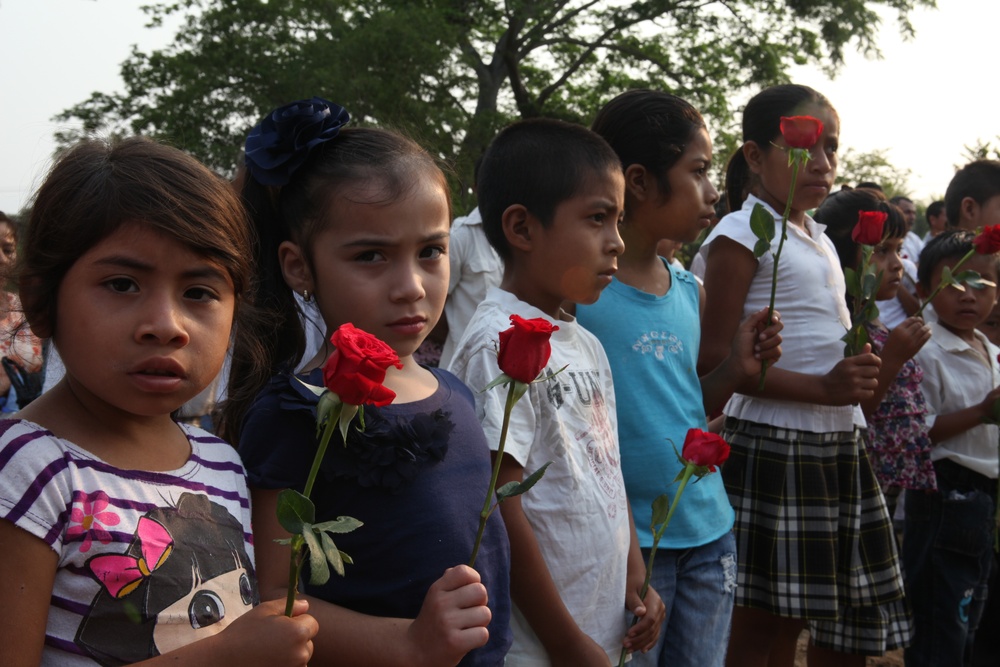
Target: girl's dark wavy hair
366 165
762 125
99 186
839 212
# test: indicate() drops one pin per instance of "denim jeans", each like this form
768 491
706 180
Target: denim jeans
946 555
697 586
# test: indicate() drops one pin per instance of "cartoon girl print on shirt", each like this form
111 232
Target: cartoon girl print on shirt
185 576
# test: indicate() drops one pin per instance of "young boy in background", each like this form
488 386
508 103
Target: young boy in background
972 200
551 196
948 548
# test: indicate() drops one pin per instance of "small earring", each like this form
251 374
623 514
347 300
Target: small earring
306 296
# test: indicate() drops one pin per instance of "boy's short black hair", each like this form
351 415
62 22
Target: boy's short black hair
934 209
979 180
949 244
538 163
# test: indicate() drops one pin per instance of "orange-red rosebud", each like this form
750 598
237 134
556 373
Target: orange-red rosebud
524 348
705 449
869 229
987 241
356 369
801 131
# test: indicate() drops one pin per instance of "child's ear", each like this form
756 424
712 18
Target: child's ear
922 291
295 268
518 227
968 209
754 156
638 182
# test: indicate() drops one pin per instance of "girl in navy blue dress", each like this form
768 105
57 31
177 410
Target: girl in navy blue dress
357 220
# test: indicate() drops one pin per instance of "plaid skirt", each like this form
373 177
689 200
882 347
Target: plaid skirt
813 536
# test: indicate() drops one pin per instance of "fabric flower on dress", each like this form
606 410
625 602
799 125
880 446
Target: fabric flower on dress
388 454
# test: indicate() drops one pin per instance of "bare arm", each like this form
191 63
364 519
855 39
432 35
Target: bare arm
29 570
755 341
451 622
729 271
650 609
534 591
904 341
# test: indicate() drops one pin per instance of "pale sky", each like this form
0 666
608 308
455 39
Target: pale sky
926 99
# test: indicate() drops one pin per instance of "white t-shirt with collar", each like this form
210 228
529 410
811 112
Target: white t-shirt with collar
810 298
475 268
955 377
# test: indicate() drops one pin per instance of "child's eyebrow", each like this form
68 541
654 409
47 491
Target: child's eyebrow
126 262
385 243
600 202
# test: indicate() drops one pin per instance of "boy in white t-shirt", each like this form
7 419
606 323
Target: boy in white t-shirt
551 196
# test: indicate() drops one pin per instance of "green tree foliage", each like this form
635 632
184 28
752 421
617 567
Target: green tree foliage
873 166
452 72
981 150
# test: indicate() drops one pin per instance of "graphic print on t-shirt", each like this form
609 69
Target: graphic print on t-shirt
184 576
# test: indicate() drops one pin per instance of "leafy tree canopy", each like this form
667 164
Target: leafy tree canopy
981 150
451 72
873 167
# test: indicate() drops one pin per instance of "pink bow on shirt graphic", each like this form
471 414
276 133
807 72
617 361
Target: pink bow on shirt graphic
121 575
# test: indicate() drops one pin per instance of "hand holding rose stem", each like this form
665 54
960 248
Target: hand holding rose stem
701 454
524 351
800 133
353 377
987 242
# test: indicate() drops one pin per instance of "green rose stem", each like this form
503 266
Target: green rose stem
689 470
515 390
335 420
797 156
944 282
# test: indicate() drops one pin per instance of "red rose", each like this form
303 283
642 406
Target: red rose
801 131
524 348
868 231
704 449
987 241
356 369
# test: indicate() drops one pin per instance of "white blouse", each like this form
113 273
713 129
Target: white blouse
810 298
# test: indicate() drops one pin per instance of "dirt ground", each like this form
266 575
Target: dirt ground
893 659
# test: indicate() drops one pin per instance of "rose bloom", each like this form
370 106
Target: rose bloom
705 449
801 131
356 369
987 241
868 231
524 348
